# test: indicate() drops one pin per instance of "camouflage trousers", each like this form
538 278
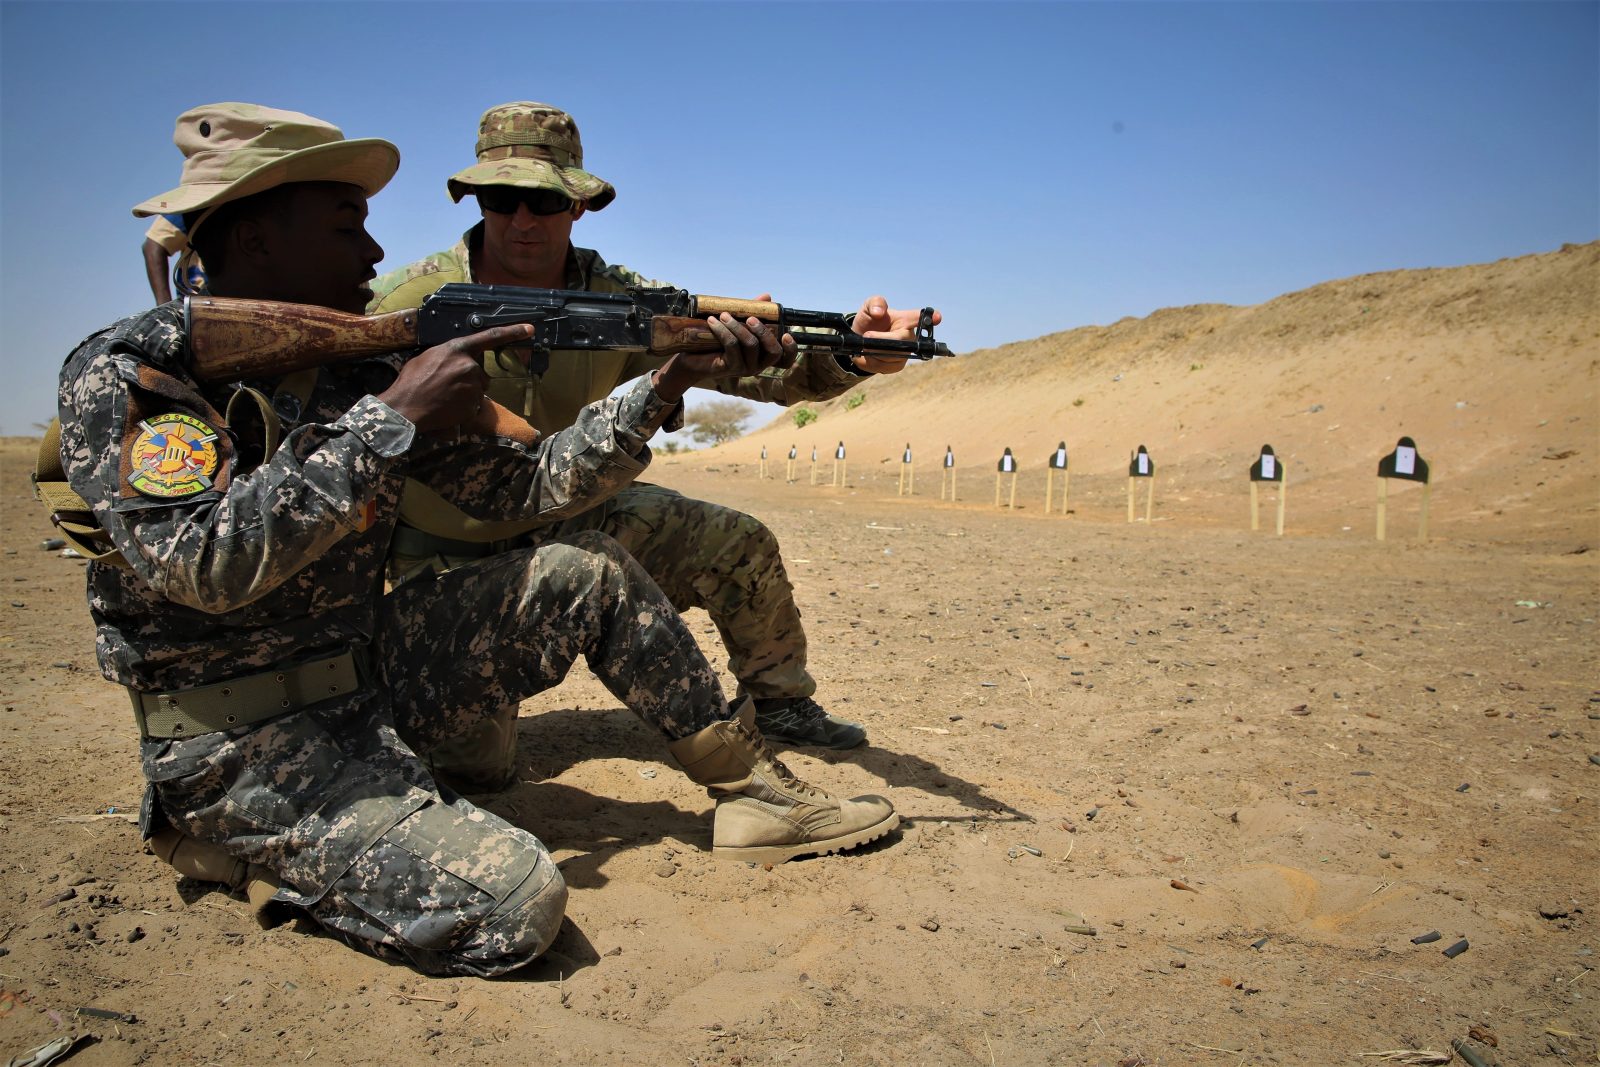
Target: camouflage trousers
332 800
575 594
701 555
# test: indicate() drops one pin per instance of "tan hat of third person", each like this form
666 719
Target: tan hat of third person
231 151
533 146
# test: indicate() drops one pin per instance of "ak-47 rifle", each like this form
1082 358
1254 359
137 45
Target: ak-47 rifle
232 339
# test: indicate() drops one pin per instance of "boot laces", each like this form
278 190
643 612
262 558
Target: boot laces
781 769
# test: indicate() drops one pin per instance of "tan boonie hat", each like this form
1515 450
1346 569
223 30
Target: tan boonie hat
231 151
533 146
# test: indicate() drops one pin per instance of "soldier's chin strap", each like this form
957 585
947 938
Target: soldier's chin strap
190 231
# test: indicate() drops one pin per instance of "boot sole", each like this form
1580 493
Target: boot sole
780 853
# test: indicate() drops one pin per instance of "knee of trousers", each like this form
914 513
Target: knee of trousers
582 561
742 563
455 890
518 930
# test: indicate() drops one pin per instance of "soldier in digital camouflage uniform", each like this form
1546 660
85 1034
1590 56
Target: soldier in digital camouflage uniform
268 671
531 188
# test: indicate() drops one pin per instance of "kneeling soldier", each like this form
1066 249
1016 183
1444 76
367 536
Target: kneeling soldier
267 669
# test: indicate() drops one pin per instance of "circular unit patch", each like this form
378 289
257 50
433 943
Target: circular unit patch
174 455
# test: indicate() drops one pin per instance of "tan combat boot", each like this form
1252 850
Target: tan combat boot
764 813
208 863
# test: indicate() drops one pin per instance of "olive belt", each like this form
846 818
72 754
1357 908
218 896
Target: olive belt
242 701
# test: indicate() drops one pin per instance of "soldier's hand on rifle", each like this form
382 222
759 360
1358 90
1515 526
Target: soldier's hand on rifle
877 319
443 387
748 347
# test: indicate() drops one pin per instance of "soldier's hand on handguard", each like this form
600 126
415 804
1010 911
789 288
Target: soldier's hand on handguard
443 387
748 347
877 319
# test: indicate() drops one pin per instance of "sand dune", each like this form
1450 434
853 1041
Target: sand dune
1490 368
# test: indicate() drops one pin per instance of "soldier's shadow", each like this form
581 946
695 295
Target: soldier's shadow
552 742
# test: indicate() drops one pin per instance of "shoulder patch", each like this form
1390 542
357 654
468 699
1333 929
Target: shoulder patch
172 455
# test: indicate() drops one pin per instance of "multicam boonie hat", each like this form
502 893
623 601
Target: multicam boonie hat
534 146
231 151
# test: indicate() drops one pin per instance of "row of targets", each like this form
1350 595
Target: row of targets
1403 464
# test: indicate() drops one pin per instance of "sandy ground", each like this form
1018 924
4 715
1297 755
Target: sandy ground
1174 793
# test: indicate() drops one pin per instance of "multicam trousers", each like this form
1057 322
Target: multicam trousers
352 822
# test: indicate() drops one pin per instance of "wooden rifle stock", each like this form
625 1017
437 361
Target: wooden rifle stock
233 339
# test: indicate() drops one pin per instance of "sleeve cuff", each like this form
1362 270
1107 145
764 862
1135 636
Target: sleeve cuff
643 408
380 427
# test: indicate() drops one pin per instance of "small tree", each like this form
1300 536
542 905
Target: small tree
717 421
804 416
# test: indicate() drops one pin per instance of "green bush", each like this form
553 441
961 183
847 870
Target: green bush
854 400
804 416
1078 403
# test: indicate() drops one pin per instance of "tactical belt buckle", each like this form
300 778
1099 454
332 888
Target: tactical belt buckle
242 701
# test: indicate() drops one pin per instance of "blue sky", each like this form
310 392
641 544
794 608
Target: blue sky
1027 167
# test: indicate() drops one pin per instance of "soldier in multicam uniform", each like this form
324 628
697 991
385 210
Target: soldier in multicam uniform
531 188
268 671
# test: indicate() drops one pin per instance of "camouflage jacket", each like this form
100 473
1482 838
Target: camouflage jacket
552 400
239 563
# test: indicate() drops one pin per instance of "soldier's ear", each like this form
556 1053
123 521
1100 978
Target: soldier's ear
250 240
578 208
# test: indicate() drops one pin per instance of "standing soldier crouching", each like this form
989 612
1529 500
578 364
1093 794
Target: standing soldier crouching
530 187
265 665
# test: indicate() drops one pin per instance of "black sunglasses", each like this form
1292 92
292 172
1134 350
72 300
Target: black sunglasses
503 200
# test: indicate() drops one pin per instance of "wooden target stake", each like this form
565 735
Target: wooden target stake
1057 462
1270 469
762 473
813 464
947 472
908 474
1383 506
1404 464
788 471
1007 465
1142 466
